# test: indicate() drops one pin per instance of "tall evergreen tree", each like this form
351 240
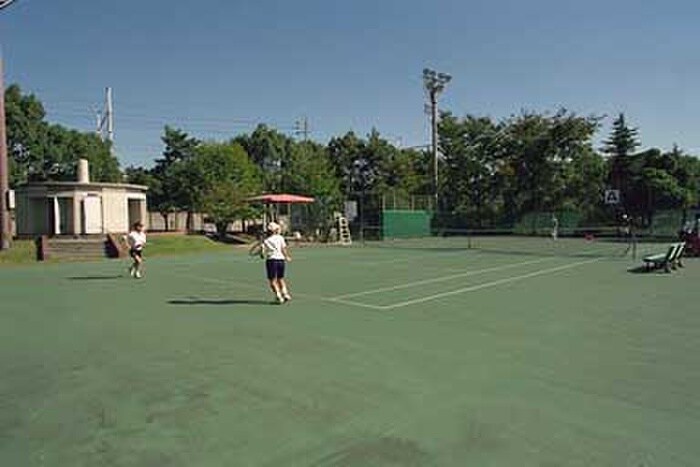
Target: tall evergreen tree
623 139
620 146
172 188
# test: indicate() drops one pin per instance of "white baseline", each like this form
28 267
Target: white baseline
439 279
488 284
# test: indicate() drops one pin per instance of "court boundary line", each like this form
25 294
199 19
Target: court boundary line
341 299
440 279
486 285
249 285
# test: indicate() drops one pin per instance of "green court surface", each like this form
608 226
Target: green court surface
405 356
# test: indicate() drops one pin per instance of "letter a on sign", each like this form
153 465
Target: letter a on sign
612 196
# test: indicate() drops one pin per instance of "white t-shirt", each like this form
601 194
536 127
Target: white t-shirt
136 240
273 247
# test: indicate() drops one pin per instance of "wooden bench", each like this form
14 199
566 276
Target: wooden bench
669 260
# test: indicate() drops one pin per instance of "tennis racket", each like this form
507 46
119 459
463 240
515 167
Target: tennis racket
256 251
5 3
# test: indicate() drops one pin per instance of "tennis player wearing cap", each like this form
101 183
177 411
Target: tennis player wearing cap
274 248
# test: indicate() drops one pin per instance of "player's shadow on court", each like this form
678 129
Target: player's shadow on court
646 270
95 278
208 301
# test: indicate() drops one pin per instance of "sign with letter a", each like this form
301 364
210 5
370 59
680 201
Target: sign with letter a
612 196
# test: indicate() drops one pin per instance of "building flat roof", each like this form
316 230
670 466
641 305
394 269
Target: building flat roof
82 186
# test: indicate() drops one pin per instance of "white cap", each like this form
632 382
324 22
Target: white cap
274 227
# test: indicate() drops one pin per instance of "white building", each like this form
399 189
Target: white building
79 208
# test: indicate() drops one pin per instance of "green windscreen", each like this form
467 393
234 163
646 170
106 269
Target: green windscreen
405 224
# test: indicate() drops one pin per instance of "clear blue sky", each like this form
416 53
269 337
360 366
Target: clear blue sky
217 67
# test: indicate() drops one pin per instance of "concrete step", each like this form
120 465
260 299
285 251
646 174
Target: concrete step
76 249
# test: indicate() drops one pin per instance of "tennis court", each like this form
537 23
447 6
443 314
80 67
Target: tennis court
413 353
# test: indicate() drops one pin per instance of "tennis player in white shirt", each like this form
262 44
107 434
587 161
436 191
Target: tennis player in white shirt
136 241
274 249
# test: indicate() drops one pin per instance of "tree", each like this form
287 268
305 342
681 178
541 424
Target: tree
686 171
471 148
394 169
226 178
542 147
373 165
172 188
139 176
373 171
584 189
310 173
661 180
344 152
40 151
496 172
620 146
67 146
26 131
271 151
623 139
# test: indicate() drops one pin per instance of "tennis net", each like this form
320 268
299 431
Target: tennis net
583 242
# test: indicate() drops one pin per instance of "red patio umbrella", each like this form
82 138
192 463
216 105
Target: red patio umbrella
282 198
279 198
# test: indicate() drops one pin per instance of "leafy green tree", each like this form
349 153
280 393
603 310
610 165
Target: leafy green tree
585 177
373 165
393 168
495 172
26 133
346 154
139 176
471 148
309 172
223 203
686 170
271 151
67 146
40 151
662 181
541 147
225 178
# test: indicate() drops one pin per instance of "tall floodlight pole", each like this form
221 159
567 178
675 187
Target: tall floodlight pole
5 228
434 84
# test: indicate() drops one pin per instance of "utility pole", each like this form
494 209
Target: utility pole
98 122
301 127
434 83
5 229
105 119
110 116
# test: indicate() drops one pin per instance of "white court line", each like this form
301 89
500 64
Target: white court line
488 284
440 279
238 283
353 303
401 260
